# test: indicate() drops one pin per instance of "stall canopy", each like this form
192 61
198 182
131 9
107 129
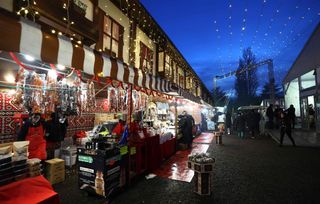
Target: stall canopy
26 37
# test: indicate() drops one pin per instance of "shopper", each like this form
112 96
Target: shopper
285 127
228 122
56 129
204 124
311 114
240 125
270 115
33 131
187 129
292 115
277 112
253 119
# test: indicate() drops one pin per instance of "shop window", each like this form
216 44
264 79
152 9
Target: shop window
146 58
168 67
308 80
181 77
113 37
174 72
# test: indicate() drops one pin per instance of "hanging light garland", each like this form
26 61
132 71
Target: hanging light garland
28 10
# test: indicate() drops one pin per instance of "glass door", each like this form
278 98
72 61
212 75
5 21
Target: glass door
304 112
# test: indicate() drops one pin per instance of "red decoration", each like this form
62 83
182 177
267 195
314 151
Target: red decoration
14 57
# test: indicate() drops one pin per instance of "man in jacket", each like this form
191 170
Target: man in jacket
285 127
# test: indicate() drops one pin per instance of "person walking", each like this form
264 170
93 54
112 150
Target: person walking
270 115
292 115
285 127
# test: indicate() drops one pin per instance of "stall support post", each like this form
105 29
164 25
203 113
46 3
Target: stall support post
129 105
176 117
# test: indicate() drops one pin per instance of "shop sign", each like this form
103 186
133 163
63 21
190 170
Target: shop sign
86 159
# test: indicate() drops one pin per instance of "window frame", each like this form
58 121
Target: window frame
148 58
119 41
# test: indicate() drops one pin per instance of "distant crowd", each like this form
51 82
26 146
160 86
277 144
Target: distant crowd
254 122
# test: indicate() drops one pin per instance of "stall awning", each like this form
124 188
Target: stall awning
28 38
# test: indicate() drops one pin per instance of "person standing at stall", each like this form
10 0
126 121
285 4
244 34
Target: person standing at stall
56 129
187 129
33 130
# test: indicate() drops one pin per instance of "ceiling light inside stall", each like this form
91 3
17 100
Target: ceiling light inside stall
61 67
29 58
9 77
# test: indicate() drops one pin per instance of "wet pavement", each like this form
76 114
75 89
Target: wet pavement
246 171
303 138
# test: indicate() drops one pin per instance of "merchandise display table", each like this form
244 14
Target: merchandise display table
30 190
168 148
153 152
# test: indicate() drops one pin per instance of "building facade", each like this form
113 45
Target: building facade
121 29
301 84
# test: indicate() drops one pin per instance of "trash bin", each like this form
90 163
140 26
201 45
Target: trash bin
202 165
218 136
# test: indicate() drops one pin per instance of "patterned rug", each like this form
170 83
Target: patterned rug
176 167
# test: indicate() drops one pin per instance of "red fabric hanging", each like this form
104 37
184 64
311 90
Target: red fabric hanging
14 57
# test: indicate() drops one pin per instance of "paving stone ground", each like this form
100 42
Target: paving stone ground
246 171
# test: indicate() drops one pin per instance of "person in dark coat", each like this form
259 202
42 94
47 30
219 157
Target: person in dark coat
240 125
253 119
228 122
204 125
277 112
311 114
187 129
292 115
270 115
56 131
285 127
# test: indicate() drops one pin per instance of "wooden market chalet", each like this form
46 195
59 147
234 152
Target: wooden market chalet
137 42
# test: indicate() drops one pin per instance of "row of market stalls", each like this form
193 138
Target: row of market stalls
134 114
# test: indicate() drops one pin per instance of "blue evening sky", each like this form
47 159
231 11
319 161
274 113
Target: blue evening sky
212 33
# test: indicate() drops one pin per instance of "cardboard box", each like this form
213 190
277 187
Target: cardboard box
54 165
56 177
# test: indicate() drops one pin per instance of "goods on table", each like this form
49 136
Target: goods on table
55 170
34 167
99 170
6 151
20 150
13 166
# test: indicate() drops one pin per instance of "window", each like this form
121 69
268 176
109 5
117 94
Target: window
168 67
181 77
146 58
113 37
308 80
